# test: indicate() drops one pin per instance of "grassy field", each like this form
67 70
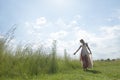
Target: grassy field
103 70
24 63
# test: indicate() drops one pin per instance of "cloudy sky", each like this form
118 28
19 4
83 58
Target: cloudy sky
39 22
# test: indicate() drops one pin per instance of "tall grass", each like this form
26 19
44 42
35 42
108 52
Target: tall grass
26 62
53 61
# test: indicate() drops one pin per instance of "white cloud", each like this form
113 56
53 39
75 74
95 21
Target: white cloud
104 43
58 35
112 31
41 21
107 42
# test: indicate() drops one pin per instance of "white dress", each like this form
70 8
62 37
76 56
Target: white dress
85 52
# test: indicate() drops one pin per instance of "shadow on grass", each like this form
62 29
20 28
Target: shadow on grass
93 71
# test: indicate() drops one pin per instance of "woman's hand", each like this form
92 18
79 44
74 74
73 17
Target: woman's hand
90 52
74 53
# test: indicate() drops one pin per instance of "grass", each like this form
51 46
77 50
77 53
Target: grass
24 63
103 70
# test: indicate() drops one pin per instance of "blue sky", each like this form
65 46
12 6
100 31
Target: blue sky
67 21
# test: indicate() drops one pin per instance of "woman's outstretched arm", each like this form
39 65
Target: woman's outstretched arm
77 50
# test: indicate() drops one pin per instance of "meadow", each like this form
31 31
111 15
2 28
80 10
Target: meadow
24 63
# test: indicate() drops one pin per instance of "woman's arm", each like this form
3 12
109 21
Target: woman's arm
88 48
77 50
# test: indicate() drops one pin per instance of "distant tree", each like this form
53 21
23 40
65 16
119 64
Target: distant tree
113 59
108 59
102 60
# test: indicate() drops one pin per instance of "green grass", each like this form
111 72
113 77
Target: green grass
103 70
24 63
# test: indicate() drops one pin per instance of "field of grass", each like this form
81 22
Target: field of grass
103 70
24 63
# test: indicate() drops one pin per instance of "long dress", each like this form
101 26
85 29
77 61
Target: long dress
86 57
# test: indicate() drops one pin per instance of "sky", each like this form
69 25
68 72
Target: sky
39 22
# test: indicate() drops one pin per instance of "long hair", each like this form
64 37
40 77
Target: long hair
82 41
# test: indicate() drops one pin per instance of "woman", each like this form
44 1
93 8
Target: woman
85 55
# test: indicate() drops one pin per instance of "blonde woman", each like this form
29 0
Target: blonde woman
85 55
